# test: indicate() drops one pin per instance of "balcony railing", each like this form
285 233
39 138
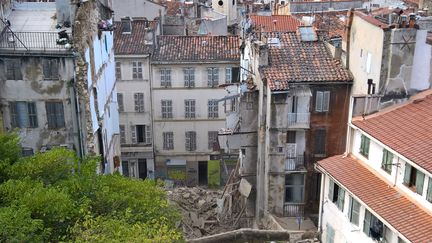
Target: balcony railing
294 209
37 41
298 120
294 163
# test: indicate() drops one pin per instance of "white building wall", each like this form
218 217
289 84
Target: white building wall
396 177
420 76
179 124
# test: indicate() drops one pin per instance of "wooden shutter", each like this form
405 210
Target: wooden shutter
133 134
419 182
326 101
187 141
318 101
148 135
407 175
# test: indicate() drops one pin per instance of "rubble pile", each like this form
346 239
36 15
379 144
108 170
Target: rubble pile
200 211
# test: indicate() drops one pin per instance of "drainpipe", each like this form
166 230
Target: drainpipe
349 24
151 111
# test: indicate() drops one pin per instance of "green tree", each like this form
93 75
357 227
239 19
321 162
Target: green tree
54 196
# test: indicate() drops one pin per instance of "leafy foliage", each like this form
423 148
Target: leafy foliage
55 196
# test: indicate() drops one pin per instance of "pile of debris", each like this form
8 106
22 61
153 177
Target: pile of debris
200 211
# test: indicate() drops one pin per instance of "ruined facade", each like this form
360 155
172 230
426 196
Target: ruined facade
58 78
299 96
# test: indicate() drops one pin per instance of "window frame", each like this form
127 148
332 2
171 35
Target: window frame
322 101
213 108
413 176
387 161
353 204
300 186
190 141
166 109
189 77
212 139
137 70
50 69
228 75
122 133
168 140
190 108
118 73
165 77
139 102
212 76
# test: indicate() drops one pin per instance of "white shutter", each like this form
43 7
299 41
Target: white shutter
133 134
192 77
326 101
319 101
215 76
148 135
209 77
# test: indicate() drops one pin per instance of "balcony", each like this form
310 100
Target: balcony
31 41
294 209
294 163
298 120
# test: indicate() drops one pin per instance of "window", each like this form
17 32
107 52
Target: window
320 142
413 179
190 143
141 134
165 77
372 227
212 77
122 134
213 109
429 190
387 161
336 195
23 114
55 114
126 25
120 102
189 108
322 101
118 70
167 109
133 134
50 69
139 102
189 77
294 188
228 75
168 140
140 131
330 234
125 168
212 139
291 137
364 146
354 211
13 70
233 104
25 152
137 70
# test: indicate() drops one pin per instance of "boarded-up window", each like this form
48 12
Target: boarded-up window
23 114
55 114
50 69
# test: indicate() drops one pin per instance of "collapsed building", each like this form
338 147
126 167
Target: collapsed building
57 77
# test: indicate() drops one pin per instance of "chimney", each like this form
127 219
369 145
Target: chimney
262 49
412 20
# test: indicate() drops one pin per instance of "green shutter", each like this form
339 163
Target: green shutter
429 191
341 199
407 174
367 143
350 207
331 188
419 182
366 222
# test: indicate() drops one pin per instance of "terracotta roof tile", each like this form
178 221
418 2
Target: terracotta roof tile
331 23
296 61
197 48
284 23
406 129
410 220
133 43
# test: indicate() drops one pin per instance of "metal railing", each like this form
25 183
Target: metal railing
294 163
299 120
38 41
294 209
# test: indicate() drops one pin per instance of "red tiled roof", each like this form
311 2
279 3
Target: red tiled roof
370 19
132 43
406 129
284 23
405 216
197 48
296 61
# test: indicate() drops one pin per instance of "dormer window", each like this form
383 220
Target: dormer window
126 25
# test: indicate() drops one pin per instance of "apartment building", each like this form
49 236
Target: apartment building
380 190
187 115
134 43
299 96
57 80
